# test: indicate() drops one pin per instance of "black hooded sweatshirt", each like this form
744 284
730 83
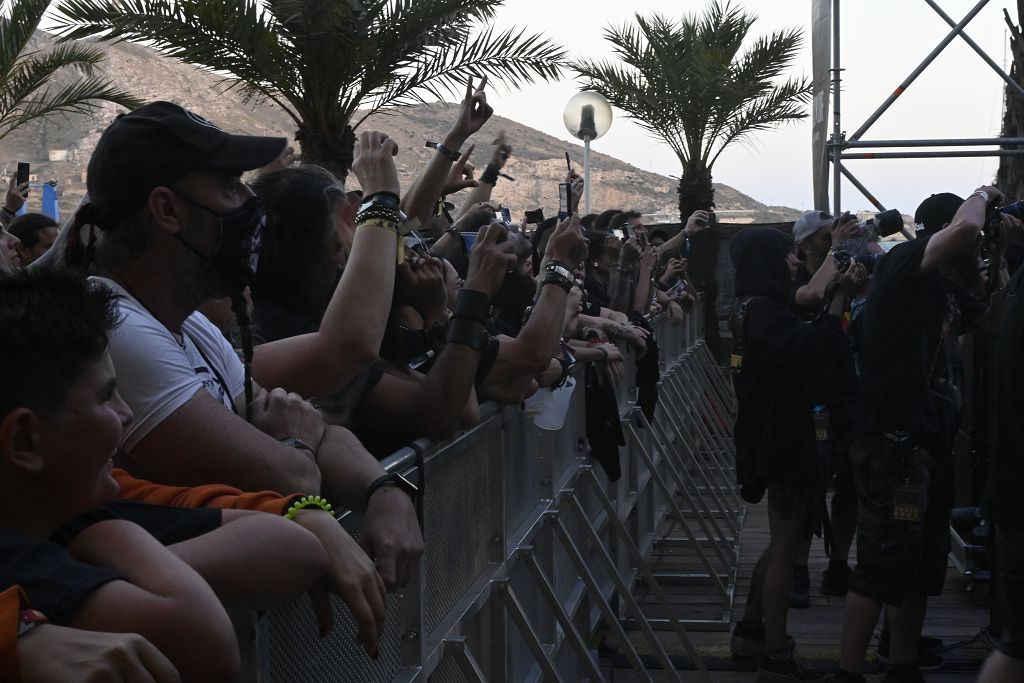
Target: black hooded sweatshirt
775 426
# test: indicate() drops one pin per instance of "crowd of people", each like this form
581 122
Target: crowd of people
215 353
851 378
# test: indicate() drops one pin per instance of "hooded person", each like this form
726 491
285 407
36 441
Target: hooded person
775 440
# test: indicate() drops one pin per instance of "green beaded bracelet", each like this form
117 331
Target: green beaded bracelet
308 502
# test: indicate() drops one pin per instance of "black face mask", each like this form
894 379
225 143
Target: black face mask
241 242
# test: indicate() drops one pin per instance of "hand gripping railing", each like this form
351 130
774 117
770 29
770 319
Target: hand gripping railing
531 551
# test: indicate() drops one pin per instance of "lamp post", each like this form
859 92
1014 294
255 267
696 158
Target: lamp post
587 116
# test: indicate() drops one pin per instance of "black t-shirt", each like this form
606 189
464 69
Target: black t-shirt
57 584
1006 489
909 329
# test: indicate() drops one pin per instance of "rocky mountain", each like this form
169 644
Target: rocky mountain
60 149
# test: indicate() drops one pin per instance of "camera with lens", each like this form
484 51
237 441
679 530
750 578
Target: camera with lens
844 260
884 223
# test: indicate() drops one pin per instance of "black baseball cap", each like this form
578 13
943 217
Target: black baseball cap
935 211
157 144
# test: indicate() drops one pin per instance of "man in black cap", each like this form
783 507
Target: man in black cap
935 213
179 227
924 293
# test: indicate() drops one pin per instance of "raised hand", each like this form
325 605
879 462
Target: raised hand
420 283
566 243
698 220
461 174
473 112
374 163
16 195
490 260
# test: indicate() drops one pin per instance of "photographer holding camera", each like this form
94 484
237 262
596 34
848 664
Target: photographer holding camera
924 293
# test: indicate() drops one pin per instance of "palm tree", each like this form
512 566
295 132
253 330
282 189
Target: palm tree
1010 176
28 88
322 61
687 83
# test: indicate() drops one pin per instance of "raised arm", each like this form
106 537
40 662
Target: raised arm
436 405
320 363
962 233
423 194
531 351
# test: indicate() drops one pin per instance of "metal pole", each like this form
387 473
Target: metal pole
977 48
871 198
917 72
935 155
837 123
586 175
952 142
863 190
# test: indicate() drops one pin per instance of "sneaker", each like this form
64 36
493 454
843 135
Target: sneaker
927 660
788 670
800 591
836 580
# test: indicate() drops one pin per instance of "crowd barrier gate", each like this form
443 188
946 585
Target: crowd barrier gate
529 547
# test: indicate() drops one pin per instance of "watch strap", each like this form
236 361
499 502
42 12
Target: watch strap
392 479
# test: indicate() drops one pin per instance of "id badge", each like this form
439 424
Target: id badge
908 505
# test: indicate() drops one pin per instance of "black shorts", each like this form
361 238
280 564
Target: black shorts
1010 552
897 558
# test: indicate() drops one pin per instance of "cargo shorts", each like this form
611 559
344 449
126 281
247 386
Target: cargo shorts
897 557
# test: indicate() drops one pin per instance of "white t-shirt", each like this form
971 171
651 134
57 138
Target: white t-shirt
158 372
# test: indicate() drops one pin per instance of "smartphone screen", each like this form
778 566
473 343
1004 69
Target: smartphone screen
563 200
618 233
23 171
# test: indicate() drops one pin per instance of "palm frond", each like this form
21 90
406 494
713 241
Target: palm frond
784 104
17 29
81 97
511 57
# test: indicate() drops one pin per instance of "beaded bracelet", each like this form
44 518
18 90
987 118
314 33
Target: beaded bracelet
308 502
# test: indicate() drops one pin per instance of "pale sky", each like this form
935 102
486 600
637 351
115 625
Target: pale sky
882 42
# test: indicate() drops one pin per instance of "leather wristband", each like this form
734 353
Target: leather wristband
451 154
557 280
490 175
467 332
472 304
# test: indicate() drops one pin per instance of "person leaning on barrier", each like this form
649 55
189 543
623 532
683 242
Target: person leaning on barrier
177 227
518 360
775 441
35 651
924 293
88 561
1004 499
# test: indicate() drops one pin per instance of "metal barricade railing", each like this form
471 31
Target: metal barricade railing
529 547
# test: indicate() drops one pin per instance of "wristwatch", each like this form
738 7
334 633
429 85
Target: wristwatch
982 194
392 479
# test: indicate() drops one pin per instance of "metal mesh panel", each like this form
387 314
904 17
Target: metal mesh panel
298 654
462 512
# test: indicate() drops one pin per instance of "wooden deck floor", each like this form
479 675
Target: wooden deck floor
952 617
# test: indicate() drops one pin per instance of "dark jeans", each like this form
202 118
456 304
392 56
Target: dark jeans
895 557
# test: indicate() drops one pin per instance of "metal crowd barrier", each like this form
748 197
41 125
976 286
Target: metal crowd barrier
530 549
